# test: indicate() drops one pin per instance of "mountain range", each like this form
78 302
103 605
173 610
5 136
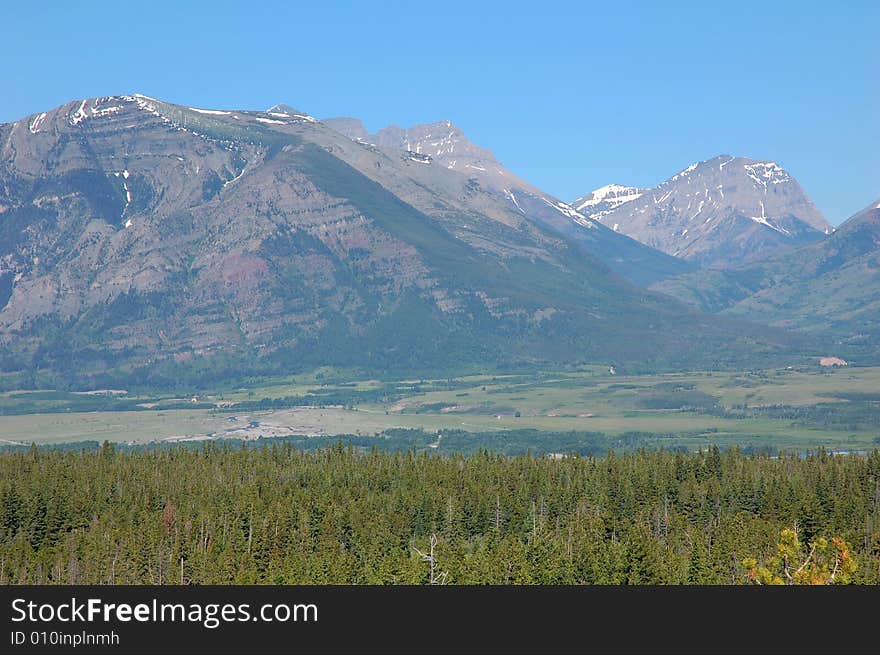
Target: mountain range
152 242
447 146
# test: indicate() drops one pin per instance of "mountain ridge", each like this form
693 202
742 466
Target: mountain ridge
148 240
445 144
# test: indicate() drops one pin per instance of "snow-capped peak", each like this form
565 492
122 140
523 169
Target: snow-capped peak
610 195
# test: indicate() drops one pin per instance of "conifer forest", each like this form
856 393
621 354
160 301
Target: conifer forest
278 515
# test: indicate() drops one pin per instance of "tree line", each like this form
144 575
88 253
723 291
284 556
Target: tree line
341 515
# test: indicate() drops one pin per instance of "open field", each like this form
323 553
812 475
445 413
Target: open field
746 408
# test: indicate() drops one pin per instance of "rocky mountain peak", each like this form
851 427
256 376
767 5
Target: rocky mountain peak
443 141
722 211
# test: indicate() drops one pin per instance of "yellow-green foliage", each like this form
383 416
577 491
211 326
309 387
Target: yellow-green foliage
823 561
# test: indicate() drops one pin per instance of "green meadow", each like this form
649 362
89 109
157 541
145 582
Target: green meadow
785 409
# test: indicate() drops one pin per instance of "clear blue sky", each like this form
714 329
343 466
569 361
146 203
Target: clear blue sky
570 96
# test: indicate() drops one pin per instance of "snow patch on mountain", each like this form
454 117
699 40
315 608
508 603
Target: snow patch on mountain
419 157
80 114
212 112
286 111
124 175
34 127
147 104
571 212
613 195
764 173
512 197
762 219
685 172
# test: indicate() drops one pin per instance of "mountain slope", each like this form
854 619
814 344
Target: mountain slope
722 212
157 242
833 285
446 146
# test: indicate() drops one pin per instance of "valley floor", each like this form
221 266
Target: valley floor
787 409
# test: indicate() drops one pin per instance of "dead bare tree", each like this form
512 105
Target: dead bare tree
431 559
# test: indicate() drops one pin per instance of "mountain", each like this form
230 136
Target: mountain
718 213
153 243
447 146
831 286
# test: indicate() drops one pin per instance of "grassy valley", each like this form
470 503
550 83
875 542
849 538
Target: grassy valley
585 410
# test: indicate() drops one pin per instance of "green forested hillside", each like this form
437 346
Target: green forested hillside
279 515
831 287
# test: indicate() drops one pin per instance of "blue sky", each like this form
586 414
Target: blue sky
570 96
